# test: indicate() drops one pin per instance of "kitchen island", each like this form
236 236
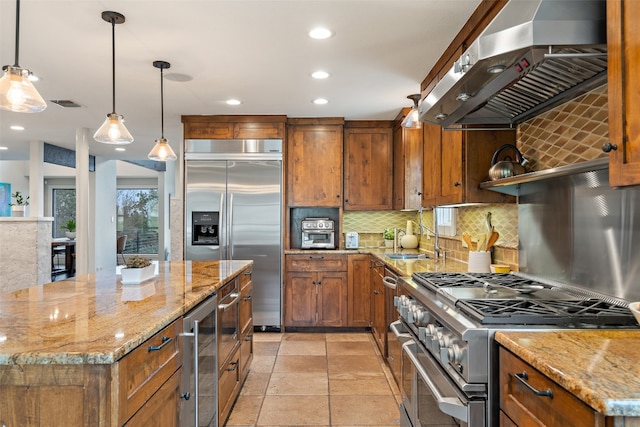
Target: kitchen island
71 353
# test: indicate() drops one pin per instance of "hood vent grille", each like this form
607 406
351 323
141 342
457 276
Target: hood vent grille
548 52
548 84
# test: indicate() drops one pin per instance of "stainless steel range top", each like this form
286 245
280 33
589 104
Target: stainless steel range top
507 299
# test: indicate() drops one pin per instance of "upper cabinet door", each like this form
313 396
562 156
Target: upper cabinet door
368 168
623 42
314 165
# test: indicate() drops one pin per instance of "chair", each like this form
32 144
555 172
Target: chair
120 244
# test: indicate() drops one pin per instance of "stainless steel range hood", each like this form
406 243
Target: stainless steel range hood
534 55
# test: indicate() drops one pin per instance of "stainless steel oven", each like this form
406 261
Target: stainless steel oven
429 397
450 363
318 233
199 390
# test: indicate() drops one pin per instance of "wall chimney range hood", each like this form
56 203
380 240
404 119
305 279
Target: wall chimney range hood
533 56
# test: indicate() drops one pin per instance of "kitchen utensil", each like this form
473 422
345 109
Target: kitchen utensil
479 262
488 222
467 239
507 167
491 240
481 241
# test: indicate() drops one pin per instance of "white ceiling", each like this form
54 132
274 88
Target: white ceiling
253 50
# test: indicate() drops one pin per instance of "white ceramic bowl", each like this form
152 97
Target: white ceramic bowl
635 309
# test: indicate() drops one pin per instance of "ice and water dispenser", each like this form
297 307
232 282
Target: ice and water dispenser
205 228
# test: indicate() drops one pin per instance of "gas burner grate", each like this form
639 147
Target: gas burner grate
578 313
435 281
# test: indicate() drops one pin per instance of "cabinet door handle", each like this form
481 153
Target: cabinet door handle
456 184
607 147
233 366
247 298
165 341
313 283
523 377
376 292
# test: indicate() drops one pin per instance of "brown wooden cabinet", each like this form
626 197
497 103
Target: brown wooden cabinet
315 290
359 297
521 406
368 165
234 127
456 162
378 317
623 45
407 165
314 162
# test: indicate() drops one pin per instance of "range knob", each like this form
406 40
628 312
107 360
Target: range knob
455 353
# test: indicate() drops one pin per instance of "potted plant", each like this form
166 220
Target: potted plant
18 208
70 226
388 234
138 270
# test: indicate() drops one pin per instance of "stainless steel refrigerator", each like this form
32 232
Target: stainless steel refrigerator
233 208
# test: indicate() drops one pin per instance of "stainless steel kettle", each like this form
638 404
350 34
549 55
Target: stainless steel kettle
507 167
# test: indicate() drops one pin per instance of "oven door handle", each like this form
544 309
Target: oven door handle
451 406
401 336
390 282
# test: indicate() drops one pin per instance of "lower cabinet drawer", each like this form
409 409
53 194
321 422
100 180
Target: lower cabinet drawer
162 409
246 354
523 406
318 262
143 371
227 383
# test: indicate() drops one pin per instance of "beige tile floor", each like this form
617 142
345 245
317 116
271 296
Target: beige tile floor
316 379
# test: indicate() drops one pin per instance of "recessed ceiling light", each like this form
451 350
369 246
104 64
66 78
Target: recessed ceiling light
4 148
320 101
17 127
319 74
120 149
320 33
233 102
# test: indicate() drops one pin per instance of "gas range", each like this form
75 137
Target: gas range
453 317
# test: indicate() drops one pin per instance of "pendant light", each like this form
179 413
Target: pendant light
113 130
17 93
162 150
412 120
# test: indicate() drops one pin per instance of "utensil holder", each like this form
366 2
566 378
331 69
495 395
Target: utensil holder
479 262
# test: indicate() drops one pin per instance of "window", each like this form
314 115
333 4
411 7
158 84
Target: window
446 221
138 219
64 209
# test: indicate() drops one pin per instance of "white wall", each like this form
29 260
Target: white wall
15 172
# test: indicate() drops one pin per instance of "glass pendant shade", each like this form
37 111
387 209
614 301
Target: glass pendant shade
412 120
18 94
113 131
162 151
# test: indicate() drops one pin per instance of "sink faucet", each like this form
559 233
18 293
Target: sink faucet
436 244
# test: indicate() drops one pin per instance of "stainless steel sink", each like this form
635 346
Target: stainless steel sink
398 255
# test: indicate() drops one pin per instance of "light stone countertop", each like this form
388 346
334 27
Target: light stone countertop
92 319
599 367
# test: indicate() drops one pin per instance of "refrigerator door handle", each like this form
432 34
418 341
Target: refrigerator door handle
230 253
222 238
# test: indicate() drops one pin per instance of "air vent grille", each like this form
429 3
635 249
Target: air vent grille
66 103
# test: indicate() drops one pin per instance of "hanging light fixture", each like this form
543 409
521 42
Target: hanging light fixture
412 121
17 93
113 130
162 150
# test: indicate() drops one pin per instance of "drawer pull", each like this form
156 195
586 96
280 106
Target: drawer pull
247 298
523 377
165 341
316 257
233 366
185 396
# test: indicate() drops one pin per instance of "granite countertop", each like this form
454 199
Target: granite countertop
403 267
599 367
94 319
